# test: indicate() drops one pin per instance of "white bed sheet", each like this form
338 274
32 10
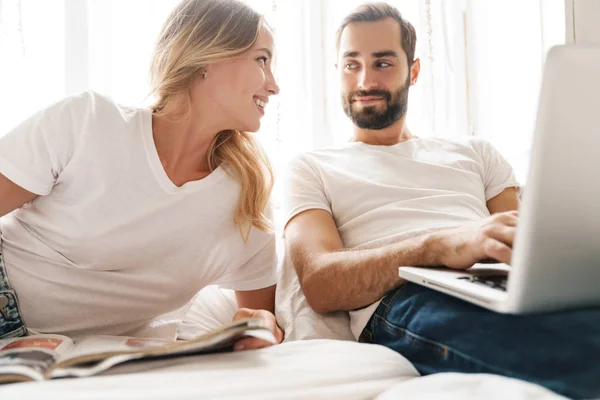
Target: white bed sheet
311 369
453 386
323 369
296 370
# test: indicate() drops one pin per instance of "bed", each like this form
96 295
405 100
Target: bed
319 359
311 369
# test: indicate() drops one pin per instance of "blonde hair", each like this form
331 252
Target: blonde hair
196 34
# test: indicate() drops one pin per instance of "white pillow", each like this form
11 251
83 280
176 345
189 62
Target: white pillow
210 309
295 316
213 307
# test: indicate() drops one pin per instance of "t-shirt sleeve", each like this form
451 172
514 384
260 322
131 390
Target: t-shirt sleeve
34 153
304 189
259 271
498 174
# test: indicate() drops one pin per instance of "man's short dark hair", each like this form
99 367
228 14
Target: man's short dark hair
372 12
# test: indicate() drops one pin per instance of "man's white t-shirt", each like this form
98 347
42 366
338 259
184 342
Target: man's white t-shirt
381 194
111 245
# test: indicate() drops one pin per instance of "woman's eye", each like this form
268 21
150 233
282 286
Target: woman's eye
262 60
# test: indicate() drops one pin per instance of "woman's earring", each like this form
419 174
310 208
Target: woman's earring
204 75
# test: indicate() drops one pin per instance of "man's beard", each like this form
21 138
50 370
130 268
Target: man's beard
372 118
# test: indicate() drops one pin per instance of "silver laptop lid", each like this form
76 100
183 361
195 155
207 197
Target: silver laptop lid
556 259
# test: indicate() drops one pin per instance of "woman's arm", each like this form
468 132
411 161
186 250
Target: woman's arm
12 196
261 299
257 304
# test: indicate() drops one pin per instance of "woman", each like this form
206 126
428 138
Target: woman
114 218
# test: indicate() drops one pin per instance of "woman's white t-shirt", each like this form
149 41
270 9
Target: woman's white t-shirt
111 245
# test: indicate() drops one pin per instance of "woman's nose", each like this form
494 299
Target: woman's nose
272 87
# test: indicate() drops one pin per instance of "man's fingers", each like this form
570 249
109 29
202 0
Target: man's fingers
510 218
497 250
502 233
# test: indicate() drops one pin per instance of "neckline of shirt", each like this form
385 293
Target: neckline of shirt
410 143
158 170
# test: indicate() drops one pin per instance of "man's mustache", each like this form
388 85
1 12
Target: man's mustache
375 93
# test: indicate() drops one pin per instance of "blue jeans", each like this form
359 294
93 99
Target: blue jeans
439 333
11 322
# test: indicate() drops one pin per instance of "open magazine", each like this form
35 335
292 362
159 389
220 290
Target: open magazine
41 357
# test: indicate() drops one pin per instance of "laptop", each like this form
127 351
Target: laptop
556 254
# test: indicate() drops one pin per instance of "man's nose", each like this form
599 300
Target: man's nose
367 80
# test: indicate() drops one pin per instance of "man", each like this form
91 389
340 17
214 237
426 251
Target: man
389 198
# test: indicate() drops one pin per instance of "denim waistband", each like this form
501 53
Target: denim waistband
11 321
366 335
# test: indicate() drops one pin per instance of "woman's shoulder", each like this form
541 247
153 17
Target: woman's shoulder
80 101
89 117
91 104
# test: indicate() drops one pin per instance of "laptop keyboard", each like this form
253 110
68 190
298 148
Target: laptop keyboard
493 281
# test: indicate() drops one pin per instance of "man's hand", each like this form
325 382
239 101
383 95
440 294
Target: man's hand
489 238
255 343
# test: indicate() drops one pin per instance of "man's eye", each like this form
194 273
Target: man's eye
351 66
383 64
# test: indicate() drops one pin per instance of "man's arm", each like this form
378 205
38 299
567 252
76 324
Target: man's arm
333 278
508 200
336 279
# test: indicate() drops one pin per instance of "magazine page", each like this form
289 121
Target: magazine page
96 354
97 345
29 358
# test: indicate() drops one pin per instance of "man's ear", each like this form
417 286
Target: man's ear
415 69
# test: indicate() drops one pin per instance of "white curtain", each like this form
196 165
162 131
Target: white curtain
481 64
